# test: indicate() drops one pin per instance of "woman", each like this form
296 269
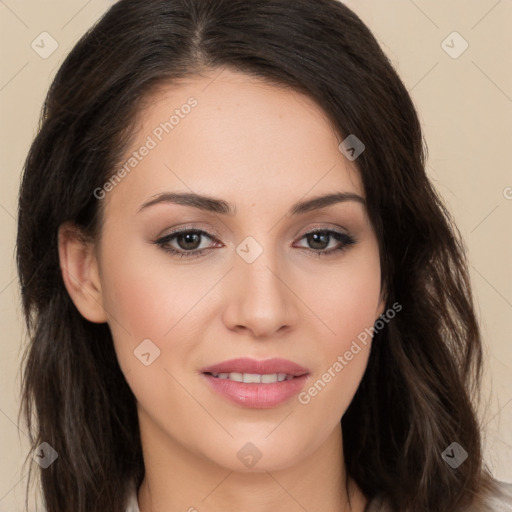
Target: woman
241 289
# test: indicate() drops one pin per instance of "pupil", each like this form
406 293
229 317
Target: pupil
189 239
322 238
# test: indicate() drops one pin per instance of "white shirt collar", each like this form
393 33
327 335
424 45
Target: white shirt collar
133 505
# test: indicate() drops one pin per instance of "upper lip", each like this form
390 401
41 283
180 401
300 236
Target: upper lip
261 367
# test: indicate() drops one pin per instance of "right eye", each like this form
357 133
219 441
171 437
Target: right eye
188 242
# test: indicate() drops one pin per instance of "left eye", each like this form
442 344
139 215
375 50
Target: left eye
189 242
319 238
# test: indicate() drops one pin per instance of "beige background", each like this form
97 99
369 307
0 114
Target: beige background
465 105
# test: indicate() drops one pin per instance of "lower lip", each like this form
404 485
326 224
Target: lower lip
257 396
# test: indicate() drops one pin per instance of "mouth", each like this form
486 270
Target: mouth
256 384
254 378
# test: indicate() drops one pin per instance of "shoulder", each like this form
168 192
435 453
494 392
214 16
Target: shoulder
497 500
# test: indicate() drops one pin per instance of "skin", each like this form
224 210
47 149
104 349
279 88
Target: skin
260 148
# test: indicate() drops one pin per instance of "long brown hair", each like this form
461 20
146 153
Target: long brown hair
418 393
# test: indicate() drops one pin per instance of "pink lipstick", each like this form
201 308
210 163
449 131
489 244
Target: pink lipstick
256 383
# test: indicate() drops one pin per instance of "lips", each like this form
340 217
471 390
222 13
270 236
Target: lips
260 367
256 384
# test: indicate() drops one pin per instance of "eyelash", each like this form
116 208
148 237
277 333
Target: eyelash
163 242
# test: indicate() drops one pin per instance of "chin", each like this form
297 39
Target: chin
260 453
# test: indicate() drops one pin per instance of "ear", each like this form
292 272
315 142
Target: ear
79 269
382 304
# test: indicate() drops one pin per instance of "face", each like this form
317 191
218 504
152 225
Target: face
248 279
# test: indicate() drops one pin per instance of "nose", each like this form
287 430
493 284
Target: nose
261 301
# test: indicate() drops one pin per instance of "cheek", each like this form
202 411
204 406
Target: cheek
151 301
342 356
346 302
344 298
147 291
161 304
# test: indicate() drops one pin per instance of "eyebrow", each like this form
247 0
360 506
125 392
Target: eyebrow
220 206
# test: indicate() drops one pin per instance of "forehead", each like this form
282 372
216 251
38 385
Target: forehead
231 135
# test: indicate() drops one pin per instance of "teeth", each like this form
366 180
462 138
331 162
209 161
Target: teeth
254 377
